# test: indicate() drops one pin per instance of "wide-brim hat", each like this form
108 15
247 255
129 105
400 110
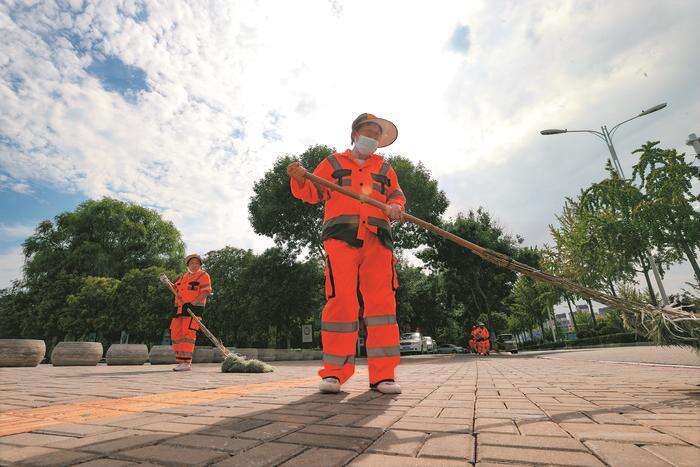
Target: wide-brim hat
192 256
389 130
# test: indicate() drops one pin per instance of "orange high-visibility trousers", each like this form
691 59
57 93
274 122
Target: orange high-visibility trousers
183 335
371 269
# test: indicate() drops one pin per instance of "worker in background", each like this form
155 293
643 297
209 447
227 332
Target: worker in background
192 289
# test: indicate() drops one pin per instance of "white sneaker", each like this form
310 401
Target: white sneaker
183 367
388 387
329 386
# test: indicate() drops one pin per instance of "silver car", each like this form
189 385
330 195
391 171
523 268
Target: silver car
412 342
507 343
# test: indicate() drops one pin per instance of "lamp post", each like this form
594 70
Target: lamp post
606 135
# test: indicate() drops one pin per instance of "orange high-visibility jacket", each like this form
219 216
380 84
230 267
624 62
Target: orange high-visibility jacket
346 218
193 288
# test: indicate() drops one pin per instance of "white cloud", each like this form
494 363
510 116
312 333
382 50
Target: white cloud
20 231
11 262
233 85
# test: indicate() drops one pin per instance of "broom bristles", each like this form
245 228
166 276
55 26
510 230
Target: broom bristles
237 364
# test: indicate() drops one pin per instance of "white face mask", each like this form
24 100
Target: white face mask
365 146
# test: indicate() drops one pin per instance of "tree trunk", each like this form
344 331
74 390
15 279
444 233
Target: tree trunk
590 308
693 260
539 318
645 270
571 313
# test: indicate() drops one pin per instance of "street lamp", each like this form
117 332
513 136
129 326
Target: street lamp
606 136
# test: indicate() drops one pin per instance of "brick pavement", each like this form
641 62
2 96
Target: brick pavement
454 411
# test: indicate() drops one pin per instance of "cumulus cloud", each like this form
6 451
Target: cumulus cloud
11 262
162 103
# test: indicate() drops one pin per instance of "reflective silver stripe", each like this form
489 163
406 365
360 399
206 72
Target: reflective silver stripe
334 162
377 187
341 220
383 351
380 320
379 222
339 327
339 360
385 169
396 193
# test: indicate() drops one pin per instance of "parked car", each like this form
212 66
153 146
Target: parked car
412 342
450 348
507 343
429 344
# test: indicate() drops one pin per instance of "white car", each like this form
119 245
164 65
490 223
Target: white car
412 342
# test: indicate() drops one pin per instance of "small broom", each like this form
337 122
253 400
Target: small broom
232 363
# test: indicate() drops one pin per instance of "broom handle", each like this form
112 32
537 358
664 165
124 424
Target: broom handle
206 331
378 204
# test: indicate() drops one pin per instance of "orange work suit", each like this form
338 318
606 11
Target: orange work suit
193 289
483 344
359 258
472 341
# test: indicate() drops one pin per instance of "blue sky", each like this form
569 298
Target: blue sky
150 102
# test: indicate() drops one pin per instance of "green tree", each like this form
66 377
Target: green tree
91 309
227 308
282 294
295 225
479 286
143 306
668 206
105 238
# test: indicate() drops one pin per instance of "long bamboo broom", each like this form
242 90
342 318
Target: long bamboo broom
668 325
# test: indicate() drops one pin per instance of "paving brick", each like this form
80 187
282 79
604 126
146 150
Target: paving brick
457 412
454 445
129 442
264 455
80 443
377 421
321 456
624 455
537 442
281 417
687 434
344 419
211 442
326 441
681 456
14 454
381 460
535 456
540 428
353 432
75 429
623 433
402 442
171 427
424 412
495 425
35 455
107 463
32 439
174 455
270 431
